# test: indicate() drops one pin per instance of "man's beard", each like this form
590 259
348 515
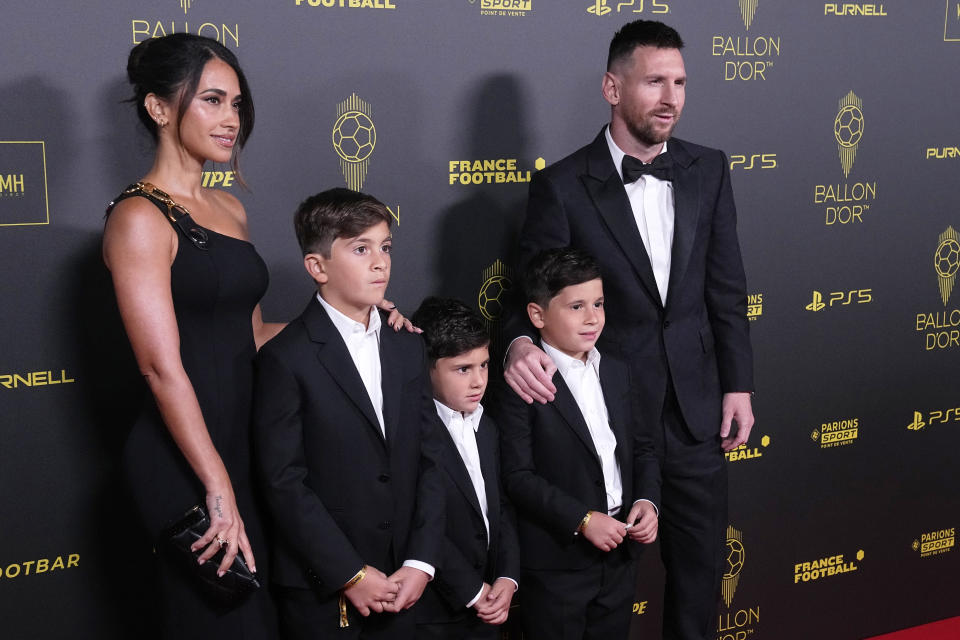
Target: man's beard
644 131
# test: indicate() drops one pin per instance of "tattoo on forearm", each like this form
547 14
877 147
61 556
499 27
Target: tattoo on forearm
219 508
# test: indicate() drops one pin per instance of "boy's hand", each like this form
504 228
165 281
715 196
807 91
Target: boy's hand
411 582
643 522
493 607
373 592
604 532
481 601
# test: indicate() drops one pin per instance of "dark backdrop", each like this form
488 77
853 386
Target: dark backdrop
840 121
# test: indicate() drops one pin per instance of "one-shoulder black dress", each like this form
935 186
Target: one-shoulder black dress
216 281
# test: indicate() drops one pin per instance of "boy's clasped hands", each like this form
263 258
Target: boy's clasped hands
379 593
606 533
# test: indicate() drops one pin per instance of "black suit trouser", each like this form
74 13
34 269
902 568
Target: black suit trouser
693 521
583 604
469 628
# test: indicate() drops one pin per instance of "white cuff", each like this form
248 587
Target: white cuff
655 510
476 597
422 566
507 352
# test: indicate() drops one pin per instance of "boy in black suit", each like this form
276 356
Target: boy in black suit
580 470
471 594
347 439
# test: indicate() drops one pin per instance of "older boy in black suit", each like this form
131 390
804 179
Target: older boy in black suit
471 594
347 439
580 470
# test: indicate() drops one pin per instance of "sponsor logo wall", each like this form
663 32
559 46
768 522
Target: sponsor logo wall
842 151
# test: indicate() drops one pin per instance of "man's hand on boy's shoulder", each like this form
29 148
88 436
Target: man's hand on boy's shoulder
374 592
643 522
411 583
529 372
604 532
493 607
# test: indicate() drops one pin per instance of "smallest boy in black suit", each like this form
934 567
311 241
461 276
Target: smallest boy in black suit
347 439
471 594
574 467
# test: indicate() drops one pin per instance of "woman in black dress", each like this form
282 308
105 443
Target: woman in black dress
188 294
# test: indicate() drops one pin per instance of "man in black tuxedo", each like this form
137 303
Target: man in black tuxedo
659 215
347 439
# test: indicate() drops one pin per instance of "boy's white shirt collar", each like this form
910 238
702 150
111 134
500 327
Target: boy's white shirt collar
346 325
565 363
447 415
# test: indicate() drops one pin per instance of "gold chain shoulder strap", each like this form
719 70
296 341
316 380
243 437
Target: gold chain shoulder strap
177 214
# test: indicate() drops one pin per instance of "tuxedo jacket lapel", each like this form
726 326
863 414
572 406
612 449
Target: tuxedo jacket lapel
605 187
333 355
566 405
390 380
614 383
458 471
686 199
487 445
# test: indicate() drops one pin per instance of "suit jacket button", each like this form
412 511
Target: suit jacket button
383 477
384 525
481 536
598 483
666 323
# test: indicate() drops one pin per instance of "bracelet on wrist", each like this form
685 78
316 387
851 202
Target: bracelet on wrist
360 575
584 522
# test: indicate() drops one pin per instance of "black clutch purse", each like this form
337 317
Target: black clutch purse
235 585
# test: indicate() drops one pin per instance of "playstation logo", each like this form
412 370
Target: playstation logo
917 423
817 303
599 8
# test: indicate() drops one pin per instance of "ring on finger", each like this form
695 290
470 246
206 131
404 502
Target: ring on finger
221 541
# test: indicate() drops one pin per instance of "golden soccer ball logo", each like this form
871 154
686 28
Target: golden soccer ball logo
735 557
354 136
848 130
946 261
848 126
489 298
947 258
736 554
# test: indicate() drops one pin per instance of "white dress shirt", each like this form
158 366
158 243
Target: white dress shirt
651 200
583 379
363 344
463 430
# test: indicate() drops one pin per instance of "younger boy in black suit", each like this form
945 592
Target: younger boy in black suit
581 472
347 439
471 594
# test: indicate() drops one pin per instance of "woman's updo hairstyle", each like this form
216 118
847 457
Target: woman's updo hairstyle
172 65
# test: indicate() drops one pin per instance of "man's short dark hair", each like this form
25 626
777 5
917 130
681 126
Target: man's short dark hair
641 33
335 213
554 269
450 328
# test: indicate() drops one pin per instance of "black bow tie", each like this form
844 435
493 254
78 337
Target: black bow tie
634 168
